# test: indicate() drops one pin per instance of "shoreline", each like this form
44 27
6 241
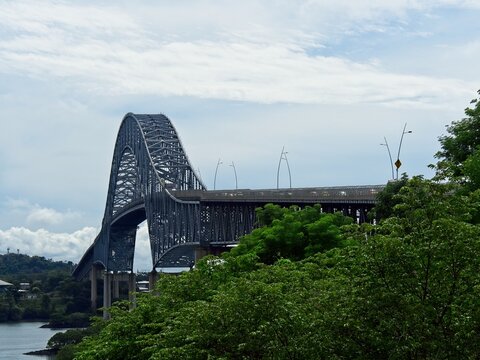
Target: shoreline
42 352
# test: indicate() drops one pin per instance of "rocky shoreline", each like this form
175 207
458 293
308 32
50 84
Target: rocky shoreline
42 352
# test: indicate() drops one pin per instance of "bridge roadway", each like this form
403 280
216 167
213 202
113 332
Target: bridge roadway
226 215
364 194
332 195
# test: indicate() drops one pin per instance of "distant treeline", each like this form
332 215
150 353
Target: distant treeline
51 294
21 264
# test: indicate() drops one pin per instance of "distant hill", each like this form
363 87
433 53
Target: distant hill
14 264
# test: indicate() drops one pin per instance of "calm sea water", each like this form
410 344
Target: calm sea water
19 338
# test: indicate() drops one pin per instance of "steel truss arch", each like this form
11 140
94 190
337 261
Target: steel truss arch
149 163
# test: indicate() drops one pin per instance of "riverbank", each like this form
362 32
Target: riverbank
45 352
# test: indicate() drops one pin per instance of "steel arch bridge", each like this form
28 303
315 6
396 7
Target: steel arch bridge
152 179
148 163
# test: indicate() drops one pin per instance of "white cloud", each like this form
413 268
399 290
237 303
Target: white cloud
47 216
41 18
57 246
34 214
143 259
243 64
233 71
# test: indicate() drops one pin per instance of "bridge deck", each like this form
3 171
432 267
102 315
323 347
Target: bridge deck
365 194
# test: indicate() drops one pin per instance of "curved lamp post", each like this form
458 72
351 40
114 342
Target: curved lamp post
235 172
288 167
398 163
283 156
216 171
389 155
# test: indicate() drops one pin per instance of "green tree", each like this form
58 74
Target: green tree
386 199
460 144
292 233
414 288
471 169
45 303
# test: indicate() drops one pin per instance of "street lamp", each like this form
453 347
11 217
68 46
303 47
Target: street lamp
216 170
235 172
398 163
389 155
283 156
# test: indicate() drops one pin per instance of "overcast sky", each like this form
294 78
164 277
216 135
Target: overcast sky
239 79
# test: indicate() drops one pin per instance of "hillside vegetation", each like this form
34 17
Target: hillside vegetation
51 294
23 266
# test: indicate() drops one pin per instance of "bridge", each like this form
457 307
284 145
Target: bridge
152 179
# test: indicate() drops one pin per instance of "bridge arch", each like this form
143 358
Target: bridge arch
148 163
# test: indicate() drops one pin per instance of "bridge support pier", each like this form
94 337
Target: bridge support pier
203 251
132 287
152 279
200 252
111 286
107 293
116 286
93 287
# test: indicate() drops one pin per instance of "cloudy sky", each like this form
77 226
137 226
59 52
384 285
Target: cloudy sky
327 79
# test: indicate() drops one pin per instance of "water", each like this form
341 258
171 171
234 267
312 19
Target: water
22 337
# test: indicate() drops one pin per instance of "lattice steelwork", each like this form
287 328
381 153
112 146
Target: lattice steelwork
225 223
127 187
148 164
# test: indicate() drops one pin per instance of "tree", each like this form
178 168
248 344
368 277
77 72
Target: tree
292 233
46 303
414 288
460 144
386 199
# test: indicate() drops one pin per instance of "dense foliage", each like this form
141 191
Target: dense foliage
292 233
308 285
387 199
53 295
15 265
459 155
408 290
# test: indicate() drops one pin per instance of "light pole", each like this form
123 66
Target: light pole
283 156
216 170
235 172
389 155
398 163
288 167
